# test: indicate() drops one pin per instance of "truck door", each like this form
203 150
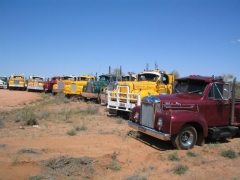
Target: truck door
218 106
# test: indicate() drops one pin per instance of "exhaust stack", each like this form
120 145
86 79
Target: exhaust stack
233 101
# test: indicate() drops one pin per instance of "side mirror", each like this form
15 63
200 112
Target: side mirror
226 91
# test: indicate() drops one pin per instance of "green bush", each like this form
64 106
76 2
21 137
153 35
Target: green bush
114 166
71 132
191 154
180 169
229 154
173 156
81 128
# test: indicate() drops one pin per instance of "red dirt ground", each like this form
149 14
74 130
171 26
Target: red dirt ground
145 156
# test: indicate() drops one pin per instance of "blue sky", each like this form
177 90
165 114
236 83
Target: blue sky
56 37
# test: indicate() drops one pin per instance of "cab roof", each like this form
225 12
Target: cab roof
207 79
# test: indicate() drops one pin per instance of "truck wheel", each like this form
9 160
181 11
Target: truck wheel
185 139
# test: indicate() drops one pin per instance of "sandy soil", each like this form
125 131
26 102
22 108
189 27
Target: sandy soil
105 142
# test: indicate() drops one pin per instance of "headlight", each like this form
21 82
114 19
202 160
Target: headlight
160 123
136 116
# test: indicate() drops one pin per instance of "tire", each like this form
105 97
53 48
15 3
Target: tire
185 139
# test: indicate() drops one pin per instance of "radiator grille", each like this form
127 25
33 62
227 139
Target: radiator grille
73 87
89 87
16 81
60 85
147 114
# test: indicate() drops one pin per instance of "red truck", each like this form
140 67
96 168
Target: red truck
48 86
200 107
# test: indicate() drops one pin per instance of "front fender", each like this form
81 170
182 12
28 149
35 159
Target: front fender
180 118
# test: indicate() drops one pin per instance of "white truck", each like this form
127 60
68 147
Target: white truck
3 82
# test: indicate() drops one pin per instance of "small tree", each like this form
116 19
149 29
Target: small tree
175 73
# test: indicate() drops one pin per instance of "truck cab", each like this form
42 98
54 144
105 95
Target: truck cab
128 94
93 88
200 107
17 81
3 82
112 86
35 83
75 88
64 80
48 85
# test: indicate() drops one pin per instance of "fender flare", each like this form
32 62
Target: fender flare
183 117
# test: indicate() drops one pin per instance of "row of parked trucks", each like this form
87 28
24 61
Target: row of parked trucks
195 108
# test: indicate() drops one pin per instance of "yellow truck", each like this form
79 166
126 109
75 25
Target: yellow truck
35 83
75 87
129 94
64 80
112 85
17 81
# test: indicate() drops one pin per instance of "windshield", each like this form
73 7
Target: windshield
53 79
3 79
148 77
104 78
83 79
37 79
18 77
67 78
196 87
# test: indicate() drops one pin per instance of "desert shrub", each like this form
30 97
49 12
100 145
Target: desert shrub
44 114
229 154
134 134
2 123
114 166
60 99
15 160
28 150
180 169
25 115
92 109
136 177
35 178
81 128
66 113
71 132
173 157
70 166
3 146
191 154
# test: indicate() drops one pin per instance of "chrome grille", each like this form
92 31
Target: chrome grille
73 87
60 85
147 114
16 81
89 87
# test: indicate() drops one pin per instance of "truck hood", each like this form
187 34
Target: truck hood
100 83
180 101
142 85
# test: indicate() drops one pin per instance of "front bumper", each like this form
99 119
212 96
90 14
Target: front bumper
17 86
90 95
35 88
57 90
3 86
149 131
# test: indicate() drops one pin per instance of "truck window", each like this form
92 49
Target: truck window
216 91
148 77
190 87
